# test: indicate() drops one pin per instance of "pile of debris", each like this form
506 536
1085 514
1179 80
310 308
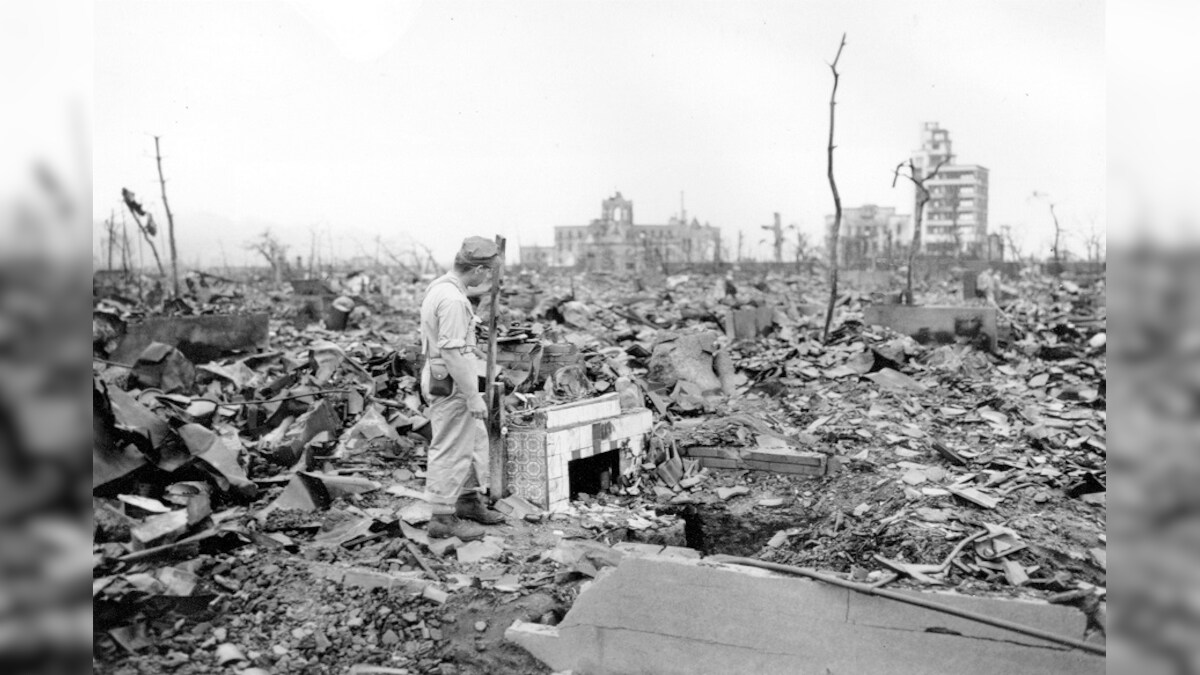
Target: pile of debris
264 509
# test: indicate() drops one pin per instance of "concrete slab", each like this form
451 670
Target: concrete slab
200 338
865 280
670 615
884 613
940 324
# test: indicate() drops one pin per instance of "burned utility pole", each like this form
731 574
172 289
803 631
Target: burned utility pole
1055 251
170 222
776 229
801 246
837 199
918 178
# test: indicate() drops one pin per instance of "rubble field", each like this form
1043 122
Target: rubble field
260 509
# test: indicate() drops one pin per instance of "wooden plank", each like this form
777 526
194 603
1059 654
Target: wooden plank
719 453
718 463
784 456
779 467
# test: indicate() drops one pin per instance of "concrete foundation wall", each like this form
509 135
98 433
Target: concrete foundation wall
935 324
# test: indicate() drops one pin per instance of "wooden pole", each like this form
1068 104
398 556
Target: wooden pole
493 395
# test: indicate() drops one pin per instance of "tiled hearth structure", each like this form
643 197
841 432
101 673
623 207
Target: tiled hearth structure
536 466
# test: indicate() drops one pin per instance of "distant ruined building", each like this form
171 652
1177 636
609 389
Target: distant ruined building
613 243
870 235
956 217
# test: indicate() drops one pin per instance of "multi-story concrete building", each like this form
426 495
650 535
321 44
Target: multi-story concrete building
956 216
537 256
869 234
613 243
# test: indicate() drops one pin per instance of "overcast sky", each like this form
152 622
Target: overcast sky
435 121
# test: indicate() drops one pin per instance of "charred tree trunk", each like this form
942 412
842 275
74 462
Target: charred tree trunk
922 200
147 229
170 222
837 199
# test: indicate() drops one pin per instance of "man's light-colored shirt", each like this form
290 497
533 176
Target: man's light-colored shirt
447 320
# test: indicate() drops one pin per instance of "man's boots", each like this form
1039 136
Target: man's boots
473 507
446 525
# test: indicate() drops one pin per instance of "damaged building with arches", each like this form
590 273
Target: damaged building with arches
615 243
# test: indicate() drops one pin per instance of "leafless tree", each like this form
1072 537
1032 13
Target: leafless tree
1094 241
918 179
398 261
148 229
273 250
802 246
837 199
429 256
1010 243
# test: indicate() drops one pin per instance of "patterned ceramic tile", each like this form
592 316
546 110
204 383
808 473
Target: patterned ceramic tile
526 466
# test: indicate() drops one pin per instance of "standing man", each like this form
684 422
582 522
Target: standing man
458 453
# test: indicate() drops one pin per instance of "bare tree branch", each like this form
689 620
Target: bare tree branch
273 250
